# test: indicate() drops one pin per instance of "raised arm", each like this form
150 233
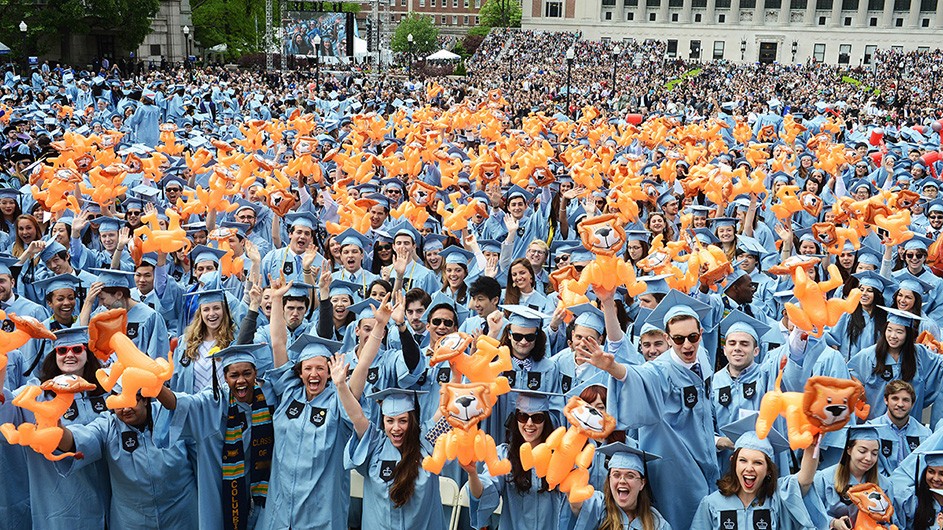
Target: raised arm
369 352
278 327
592 353
348 401
807 468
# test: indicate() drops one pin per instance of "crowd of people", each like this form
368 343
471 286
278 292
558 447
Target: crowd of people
301 322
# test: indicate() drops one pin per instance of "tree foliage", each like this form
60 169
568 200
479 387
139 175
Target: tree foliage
230 22
500 14
425 34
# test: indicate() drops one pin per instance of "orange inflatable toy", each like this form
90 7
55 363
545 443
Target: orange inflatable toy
565 457
137 371
229 265
159 240
894 229
457 220
790 264
927 339
875 511
833 238
168 140
825 405
277 193
788 202
604 236
815 310
464 406
485 364
44 435
25 328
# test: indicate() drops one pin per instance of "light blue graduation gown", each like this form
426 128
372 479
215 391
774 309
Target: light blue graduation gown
146 330
672 411
543 377
309 487
418 276
926 381
145 122
593 513
14 498
375 457
275 263
825 504
783 511
152 486
838 336
731 395
897 444
522 510
362 277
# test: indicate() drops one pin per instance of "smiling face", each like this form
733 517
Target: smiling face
62 302
395 428
26 231
895 335
212 315
751 469
625 486
240 377
314 376
351 258
863 455
455 274
740 350
71 359
522 278
905 300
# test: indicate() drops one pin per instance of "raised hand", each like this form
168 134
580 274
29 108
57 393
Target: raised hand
384 312
338 369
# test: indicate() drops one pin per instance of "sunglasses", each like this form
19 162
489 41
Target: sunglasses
914 255
936 217
522 417
133 212
520 337
679 339
447 322
77 349
558 259
384 247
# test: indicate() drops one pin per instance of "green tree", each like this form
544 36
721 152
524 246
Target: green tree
500 14
425 34
230 22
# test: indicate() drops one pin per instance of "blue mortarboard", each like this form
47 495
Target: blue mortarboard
305 219
192 228
433 242
676 304
917 242
172 179
655 284
299 290
532 402
240 353
517 191
700 211
108 224
52 248
149 258
396 401
743 433
666 198
340 287
489 245
935 206
308 346
241 228
901 318
874 280
365 309
202 253
9 193
6 262
209 296
383 235
718 222
908 281
627 456
869 256
751 246
578 254
405 228
734 276
133 203
588 315
71 336
574 218
863 432
61 281
353 237
115 278
738 321
459 255
637 235
706 237
524 316
440 300
856 185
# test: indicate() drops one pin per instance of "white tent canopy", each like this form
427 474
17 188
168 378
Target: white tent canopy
4 48
443 55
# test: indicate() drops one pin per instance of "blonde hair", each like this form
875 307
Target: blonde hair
197 332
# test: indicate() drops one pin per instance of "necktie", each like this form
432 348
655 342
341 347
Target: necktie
418 337
298 265
697 370
747 310
353 278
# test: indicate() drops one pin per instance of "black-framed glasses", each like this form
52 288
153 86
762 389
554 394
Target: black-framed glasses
937 216
522 417
915 255
559 259
519 337
447 322
383 247
136 213
679 339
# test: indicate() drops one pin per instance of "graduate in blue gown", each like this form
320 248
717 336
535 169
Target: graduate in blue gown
354 246
212 326
857 330
828 499
625 500
918 499
900 432
751 493
152 483
527 501
287 260
154 287
405 238
398 493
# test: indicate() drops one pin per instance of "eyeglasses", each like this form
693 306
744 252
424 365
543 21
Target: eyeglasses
679 339
135 213
447 322
384 247
395 191
631 476
536 251
558 259
173 190
520 337
522 417
936 217
245 218
77 349
914 255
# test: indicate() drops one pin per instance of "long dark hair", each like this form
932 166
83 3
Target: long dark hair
407 470
729 484
376 264
519 477
540 345
925 514
461 294
856 321
50 369
908 354
512 295
917 308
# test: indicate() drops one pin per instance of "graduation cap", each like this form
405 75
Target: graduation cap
115 278
523 316
305 219
627 456
868 256
239 353
440 300
108 224
51 249
396 401
874 280
743 433
202 253
655 284
353 237
589 316
457 255
299 290
900 318
489 245
405 228
341 287
517 191
738 321
240 228
71 336
10 193
433 242
60 281
676 304
752 246
365 309
908 281
532 401
706 237
863 432
6 262
917 242
308 346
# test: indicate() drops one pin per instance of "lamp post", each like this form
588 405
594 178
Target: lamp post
795 50
570 55
186 44
615 62
23 29
510 68
317 61
409 64
743 49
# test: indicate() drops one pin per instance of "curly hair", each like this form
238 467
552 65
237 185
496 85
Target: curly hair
197 332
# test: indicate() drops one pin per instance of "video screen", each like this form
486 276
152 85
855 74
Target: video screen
336 30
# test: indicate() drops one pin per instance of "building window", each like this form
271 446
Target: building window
819 53
873 22
651 17
608 3
466 4
869 53
898 22
675 3
822 21
477 20
923 49
901 5
699 4
697 17
746 4
553 9
422 3
455 4
432 3
630 16
823 5
607 15
773 4
695 49
718 50
798 4
897 49
721 18
674 17
672 50
925 23
477 4
454 20
844 53
849 5
653 3
847 21
465 20
155 49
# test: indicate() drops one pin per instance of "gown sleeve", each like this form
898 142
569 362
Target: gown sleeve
480 509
